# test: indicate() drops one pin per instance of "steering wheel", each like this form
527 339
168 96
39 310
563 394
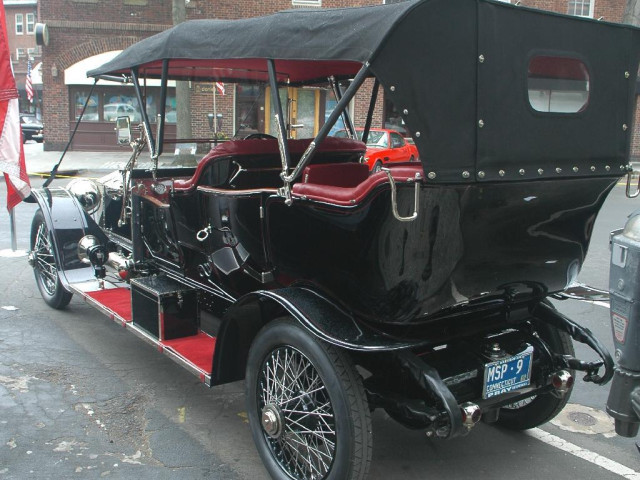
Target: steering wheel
260 136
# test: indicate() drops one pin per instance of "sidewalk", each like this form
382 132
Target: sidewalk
38 161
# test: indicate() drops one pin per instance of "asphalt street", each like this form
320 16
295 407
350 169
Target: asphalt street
82 398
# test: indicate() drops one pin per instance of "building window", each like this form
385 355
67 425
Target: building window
581 8
19 24
31 23
19 53
306 3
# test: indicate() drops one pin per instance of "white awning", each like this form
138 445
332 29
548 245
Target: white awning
36 74
76 74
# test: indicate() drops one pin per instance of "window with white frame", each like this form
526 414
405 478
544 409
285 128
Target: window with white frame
19 24
19 53
581 8
31 23
306 3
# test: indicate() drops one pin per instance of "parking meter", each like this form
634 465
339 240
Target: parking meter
624 286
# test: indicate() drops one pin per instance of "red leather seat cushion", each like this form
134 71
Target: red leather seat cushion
352 195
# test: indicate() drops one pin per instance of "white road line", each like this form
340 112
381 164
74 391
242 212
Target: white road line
588 455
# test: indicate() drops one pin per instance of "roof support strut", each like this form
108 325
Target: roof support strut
280 126
357 82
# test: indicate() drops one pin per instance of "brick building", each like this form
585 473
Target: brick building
86 33
21 17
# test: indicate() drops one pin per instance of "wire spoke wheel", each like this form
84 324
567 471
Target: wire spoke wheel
297 415
43 259
45 264
307 407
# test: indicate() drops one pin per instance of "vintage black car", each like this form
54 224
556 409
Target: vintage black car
32 128
423 289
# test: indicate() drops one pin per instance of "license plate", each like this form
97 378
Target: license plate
507 374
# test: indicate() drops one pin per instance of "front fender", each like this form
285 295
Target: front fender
68 223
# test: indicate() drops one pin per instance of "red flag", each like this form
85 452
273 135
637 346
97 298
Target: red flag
28 86
11 151
220 87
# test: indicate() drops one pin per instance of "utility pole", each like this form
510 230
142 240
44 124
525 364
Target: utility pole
183 98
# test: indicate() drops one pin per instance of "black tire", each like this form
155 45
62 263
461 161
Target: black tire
377 166
45 265
330 420
539 409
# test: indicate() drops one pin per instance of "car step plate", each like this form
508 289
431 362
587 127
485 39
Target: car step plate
507 374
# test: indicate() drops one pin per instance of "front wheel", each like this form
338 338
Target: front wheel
45 266
307 407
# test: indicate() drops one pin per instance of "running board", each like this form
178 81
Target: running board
174 332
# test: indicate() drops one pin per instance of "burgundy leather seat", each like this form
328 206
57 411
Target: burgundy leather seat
269 149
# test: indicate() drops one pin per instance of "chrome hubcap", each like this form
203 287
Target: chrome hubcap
271 421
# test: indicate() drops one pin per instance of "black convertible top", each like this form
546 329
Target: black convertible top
458 70
310 44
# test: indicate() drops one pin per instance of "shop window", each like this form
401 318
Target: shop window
558 84
91 112
19 24
31 23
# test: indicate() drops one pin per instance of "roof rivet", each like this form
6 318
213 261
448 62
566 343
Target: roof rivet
417 134
521 171
627 74
405 111
481 123
593 169
624 127
540 171
575 169
607 168
558 170
392 88
481 58
480 174
466 174
501 173
431 175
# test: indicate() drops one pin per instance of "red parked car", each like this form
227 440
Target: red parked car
385 146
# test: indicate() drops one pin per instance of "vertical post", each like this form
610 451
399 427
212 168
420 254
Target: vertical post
372 107
215 112
12 221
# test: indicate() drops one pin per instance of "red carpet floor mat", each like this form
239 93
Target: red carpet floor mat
118 300
198 349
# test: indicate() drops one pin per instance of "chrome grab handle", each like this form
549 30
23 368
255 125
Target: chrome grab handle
629 177
394 200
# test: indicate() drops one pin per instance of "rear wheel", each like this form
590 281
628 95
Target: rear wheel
307 407
539 409
45 266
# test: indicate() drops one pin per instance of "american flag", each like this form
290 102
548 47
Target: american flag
28 86
220 87
12 162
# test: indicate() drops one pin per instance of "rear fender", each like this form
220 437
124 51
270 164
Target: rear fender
68 223
318 314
